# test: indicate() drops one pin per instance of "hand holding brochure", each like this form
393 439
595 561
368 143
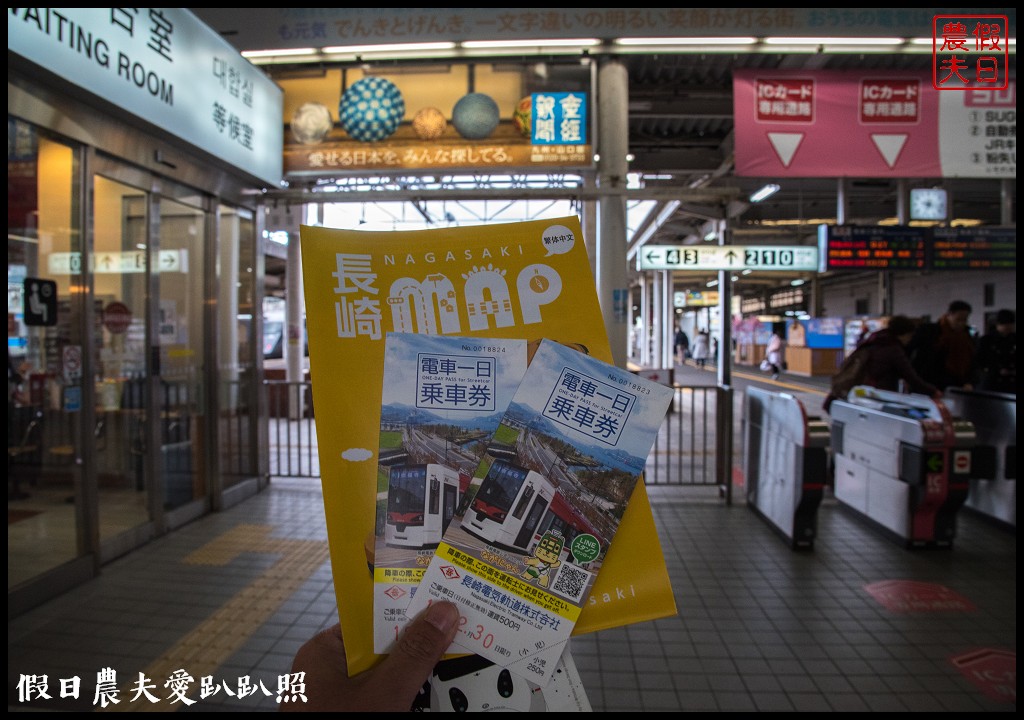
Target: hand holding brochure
526 281
532 531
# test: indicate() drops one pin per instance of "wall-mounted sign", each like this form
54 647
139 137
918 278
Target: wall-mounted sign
165 67
117 317
40 302
799 258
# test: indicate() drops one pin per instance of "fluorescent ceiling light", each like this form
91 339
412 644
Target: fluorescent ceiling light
767 191
499 44
832 41
927 43
394 47
277 53
685 41
865 49
797 283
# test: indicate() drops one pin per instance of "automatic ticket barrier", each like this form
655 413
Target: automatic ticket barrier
993 485
785 464
902 462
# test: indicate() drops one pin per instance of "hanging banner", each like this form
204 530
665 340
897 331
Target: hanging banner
869 124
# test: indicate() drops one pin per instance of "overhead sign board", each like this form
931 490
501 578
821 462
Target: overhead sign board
849 247
799 258
975 248
860 123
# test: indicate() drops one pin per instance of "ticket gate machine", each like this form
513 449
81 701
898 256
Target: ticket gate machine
785 464
993 485
902 462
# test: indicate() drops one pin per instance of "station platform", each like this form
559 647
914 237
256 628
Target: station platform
857 624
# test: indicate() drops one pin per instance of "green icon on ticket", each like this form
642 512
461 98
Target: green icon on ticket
585 548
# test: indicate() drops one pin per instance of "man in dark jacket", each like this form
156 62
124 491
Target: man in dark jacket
997 355
886 361
681 346
943 353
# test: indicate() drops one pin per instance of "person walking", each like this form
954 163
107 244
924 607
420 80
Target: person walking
774 354
681 346
881 362
943 352
701 348
997 355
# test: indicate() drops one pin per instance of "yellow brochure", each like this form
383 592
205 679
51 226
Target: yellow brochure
529 280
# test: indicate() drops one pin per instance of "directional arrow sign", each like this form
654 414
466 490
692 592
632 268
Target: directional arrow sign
800 258
119 263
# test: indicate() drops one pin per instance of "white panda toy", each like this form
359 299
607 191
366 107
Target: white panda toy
474 684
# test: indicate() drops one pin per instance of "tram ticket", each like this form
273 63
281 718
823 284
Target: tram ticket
442 399
533 528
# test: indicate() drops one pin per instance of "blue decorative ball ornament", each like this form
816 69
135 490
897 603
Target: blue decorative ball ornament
475 116
371 109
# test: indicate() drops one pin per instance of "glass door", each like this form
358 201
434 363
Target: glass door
181 337
44 355
122 374
237 373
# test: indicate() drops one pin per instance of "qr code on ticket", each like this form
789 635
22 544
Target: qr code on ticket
570 582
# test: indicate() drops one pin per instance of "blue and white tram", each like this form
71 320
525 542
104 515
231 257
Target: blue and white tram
421 504
509 505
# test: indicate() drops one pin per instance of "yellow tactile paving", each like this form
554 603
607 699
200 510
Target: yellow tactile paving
213 641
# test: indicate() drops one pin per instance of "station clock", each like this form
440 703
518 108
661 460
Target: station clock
928 204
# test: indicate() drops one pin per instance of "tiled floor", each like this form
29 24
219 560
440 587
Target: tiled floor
760 627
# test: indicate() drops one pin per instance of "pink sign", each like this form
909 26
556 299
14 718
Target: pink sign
883 101
994 672
861 124
914 596
785 100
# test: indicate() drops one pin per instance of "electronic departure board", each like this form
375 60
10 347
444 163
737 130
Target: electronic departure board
974 248
854 247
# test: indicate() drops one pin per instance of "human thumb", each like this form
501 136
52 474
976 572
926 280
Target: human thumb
419 648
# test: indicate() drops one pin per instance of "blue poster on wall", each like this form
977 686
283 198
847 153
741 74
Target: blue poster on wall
825 333
559 118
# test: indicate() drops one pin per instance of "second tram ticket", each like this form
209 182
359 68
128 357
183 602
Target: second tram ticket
534 525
